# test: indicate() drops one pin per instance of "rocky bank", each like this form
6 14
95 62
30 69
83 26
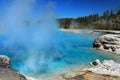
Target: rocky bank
108 42
108 70
6 72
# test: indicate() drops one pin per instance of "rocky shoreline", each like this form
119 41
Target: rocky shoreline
108 42
6 72
108 70
88 75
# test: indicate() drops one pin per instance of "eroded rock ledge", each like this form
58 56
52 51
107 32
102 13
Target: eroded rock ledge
108 42
6 72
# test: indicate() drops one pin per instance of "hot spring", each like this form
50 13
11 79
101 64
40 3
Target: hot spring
65 49
38 48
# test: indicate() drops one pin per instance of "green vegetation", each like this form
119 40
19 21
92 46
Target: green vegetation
109 20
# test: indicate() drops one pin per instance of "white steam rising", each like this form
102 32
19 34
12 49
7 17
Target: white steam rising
33 38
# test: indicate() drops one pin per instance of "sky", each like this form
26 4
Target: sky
70 8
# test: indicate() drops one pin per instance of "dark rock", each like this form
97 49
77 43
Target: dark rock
113 48
94 63
106 47
96 44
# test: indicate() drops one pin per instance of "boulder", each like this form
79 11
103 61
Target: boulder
108 42
95 63
6 72
4 61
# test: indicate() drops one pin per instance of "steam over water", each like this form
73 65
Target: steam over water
41 47
27 45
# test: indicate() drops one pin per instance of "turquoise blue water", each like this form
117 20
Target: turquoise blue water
64 49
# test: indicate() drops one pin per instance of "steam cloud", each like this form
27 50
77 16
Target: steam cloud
28 41
36 47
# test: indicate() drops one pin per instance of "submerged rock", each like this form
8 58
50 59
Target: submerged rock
108 42
6 72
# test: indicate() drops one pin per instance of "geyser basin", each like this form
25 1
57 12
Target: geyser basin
65 49
39 47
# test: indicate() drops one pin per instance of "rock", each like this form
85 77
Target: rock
108 70
108 67
108 42
4 61
6 72
95 63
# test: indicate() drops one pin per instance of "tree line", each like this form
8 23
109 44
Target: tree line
110 19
